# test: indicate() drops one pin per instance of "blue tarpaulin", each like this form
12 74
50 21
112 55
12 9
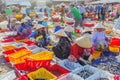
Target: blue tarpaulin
20 2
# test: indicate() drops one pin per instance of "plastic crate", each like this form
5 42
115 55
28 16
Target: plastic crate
58 70
96 54
101 74
88 68
42 73
114 49
71 77
18 57
69 65
9 47
89 24
44 55
8 52
8 40
8 76
29 42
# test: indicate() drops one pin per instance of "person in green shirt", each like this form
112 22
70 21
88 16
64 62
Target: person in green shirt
77 16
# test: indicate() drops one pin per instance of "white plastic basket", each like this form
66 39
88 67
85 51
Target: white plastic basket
87 67
8 76
69 65
71 77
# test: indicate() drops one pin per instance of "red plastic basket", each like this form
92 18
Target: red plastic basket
70 23
31 65
36 64
115 42
89 24
58 70
8 40
29 42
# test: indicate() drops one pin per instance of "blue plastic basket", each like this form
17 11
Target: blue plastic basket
88 68
71 77
69 65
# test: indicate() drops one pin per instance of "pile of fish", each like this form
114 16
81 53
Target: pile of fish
85 74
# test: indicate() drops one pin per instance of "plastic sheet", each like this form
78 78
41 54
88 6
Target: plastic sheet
58 70
71 77
9 47
101 74
96 54
69 65
41 73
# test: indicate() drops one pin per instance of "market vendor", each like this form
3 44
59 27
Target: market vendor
11 24
62 49
99 38
40 36
45 23
81 50
24 30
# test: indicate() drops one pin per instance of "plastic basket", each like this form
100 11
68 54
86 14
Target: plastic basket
9 47
114 49
44 55
8 40
88 68
71 77
58 70
69 65
42 73
96 54
8 76
19 56
89 24
101 74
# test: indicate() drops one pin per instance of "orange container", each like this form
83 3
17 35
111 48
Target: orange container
9 47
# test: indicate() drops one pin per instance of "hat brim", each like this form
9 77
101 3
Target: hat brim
84 43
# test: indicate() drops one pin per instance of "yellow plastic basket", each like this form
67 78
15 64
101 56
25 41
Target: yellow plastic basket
9 47
41 73
44 55
114 49
96 54
19 56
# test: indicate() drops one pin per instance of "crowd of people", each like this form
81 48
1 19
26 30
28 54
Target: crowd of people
80 49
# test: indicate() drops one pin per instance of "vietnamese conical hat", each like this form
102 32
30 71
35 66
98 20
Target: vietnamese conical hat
84 42
69 29
99 25
61 33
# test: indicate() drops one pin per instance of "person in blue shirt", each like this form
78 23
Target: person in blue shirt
40 36
45 23
99 10
24 30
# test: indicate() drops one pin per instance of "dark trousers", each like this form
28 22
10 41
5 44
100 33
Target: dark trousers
99 16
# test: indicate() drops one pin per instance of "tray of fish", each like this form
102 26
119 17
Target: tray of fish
101 75
69 65
86 71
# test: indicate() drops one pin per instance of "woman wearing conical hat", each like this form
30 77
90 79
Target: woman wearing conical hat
99 38
62 49
81 50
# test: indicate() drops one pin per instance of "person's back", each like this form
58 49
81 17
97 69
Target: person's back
99 8
76 12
